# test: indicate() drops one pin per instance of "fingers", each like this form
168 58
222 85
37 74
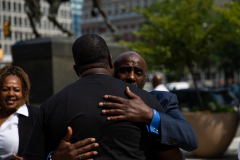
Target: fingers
84 151
16 157
88 155
111 105
68 136
117 118
85 142
87 148
113 111
130 93
114 98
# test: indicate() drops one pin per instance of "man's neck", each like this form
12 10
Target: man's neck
95 71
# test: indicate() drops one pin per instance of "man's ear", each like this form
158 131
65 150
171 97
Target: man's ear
76 69
110 61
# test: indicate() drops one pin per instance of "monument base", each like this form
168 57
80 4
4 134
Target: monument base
49 64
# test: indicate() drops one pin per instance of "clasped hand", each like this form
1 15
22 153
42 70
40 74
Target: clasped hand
121 109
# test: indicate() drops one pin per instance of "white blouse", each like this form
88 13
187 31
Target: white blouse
9 138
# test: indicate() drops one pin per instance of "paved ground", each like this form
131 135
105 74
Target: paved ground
230 154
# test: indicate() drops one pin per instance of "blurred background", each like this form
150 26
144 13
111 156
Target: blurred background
193 44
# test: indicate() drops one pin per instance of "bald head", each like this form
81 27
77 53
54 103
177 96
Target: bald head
157 79
131 68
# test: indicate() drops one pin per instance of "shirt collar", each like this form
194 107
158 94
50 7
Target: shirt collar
23 110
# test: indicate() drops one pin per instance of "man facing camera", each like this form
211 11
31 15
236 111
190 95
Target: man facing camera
171 127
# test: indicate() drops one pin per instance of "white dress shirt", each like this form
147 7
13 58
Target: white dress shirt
161 87
9 138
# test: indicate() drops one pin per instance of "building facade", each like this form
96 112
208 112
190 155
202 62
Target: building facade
119 13
14 11
76 10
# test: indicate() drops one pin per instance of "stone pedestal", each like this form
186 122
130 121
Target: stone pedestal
49 64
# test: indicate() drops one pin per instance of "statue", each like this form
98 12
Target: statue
34 15
116 35
53 10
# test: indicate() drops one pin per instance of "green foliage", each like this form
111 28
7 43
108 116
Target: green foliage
229 46
175 33
182 33
231 12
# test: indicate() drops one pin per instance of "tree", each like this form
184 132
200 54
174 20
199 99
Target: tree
177 33
229 49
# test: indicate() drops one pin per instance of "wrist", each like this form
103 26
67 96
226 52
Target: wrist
50 155
149 116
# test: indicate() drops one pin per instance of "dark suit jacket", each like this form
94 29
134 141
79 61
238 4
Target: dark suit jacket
175 130
25 125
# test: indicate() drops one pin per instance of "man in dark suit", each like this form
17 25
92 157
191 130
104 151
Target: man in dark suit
171 127
77 106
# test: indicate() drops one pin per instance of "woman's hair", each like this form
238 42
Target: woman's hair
14 70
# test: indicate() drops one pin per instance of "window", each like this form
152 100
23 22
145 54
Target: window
4 18
126 37
14 7
19 7
3 5
145 3
116 8
9 19
9 6
15 21
25 21
20 21
101 29
138 4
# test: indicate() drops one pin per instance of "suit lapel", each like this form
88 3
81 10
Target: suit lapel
24 130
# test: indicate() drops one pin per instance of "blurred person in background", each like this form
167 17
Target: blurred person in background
157 83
